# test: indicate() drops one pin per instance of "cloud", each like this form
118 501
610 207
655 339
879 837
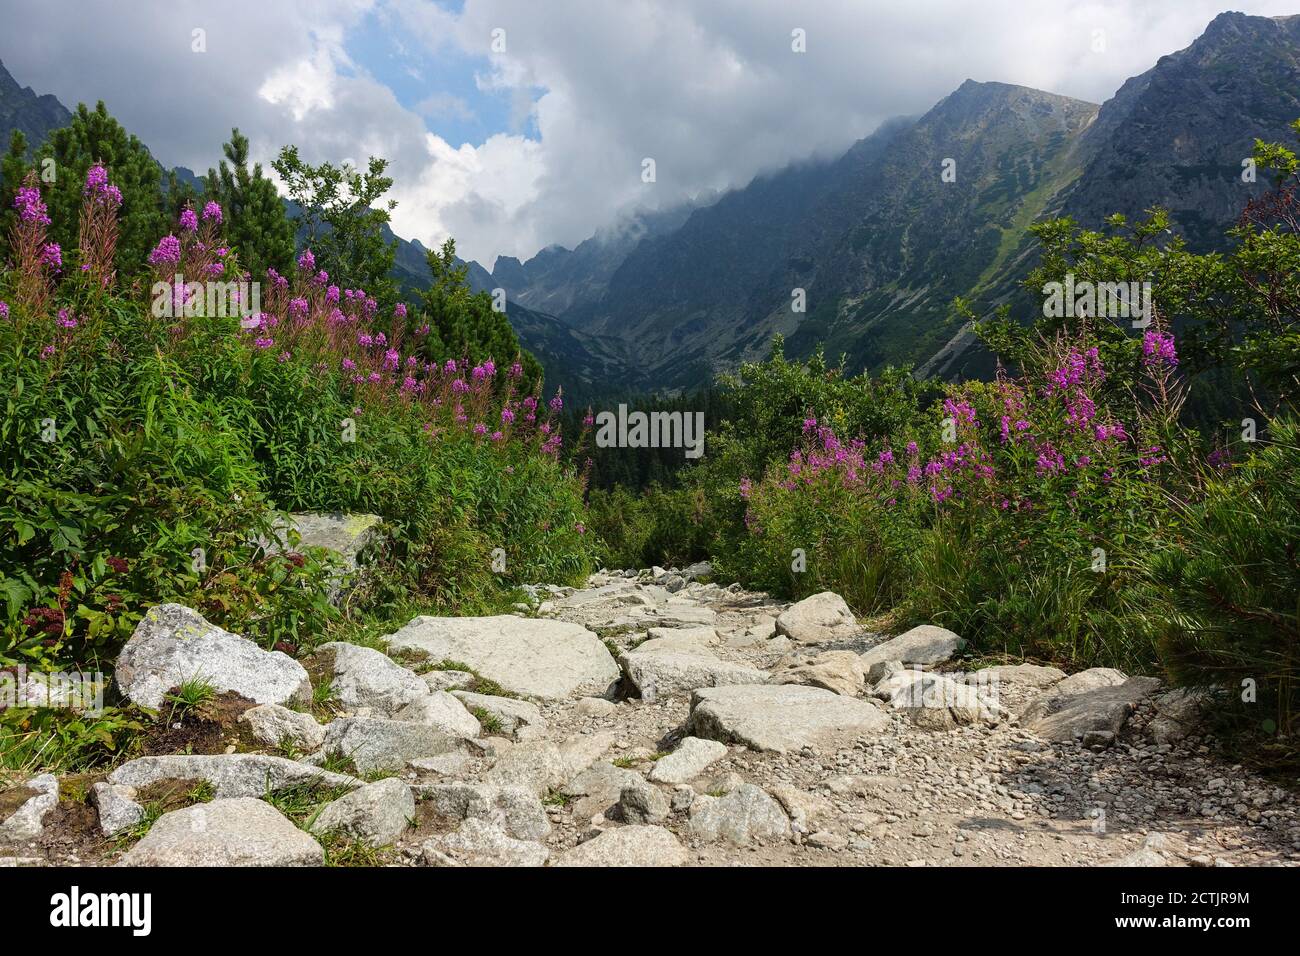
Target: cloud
712 91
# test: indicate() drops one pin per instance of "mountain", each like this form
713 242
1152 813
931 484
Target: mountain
881 243
558 280
22 109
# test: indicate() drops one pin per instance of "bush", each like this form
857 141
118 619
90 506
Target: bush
149 456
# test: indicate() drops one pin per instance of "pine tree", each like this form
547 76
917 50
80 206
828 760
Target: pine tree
463 323
13 167
95 136
256 222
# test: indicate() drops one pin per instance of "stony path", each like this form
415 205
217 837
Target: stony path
652 719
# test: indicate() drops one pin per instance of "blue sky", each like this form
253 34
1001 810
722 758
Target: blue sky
440 86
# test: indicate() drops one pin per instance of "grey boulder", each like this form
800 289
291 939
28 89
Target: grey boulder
236 832
173 644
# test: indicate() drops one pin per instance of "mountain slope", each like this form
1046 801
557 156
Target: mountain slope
21 109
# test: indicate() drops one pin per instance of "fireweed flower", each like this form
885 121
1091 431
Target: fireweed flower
190 222
66 321
556 403
263 343
507 416
167 252
399 310
52 256
1158 349
30 207
4 310
516 370
307 261
212 213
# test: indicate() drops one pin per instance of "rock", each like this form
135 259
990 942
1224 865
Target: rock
378 745
627 846
445 711
806 810
1105 708
936 702
599 788
826 840
1025 675
278 726
482 843
668 666
701 569
838 671
883 670
926 644
541 765
448 680
691 758
818 619
746 815
376 814
1049 702
677 638
517 718
597 707
117 808
672 583
231 775
173 644
445 765
721 784
345 535
683 797
241 831
366 681
1151 853
28 821
516 810
531 657
780 717
643 803
1178 712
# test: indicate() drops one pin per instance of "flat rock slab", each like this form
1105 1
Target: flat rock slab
671 665
379 745
231 775
627 846
173 644
482 843
515 718
550 660
780 717
691 758
926 644
746 815
1104 710
1079 683
838 671
237 832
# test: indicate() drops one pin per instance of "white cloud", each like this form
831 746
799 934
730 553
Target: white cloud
709 88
